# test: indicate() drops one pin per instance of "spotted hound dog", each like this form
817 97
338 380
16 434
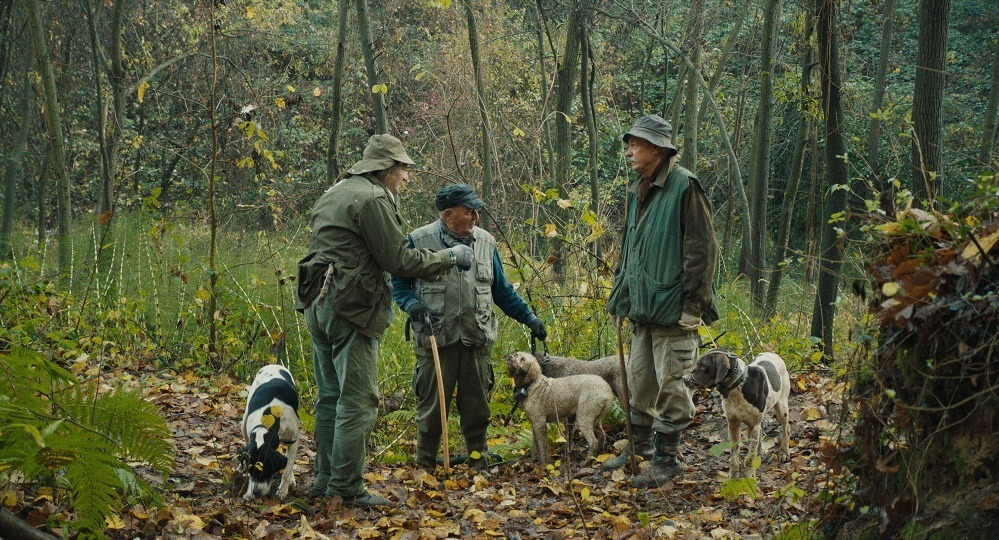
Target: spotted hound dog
748 393
271 418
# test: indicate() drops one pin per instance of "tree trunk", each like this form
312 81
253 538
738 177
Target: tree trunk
214 352
730 41
831 259
927 100
797 171
333 148
688 157
565 91
14 170
874 131
368 51
481 93
549 146
586 75
753 259
12 526
53 125
989 130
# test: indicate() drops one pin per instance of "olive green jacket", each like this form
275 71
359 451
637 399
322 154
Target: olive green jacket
668 259
357 229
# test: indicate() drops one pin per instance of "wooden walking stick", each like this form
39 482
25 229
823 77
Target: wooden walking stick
440 396
627 397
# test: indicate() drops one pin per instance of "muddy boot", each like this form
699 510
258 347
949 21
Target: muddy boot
426 452
643 447
665 464
477 445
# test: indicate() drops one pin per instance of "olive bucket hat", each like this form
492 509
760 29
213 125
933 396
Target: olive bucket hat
382 152
653 129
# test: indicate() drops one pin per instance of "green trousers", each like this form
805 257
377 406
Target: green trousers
346 365
658 361
469 369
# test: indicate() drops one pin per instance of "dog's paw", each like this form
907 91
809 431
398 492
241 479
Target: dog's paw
282 493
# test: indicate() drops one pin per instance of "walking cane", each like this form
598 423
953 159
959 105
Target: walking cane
440 396
627 397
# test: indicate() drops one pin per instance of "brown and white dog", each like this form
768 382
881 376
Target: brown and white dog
588 397
270 418
748 393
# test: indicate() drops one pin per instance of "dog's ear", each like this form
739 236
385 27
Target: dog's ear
278 462
722 366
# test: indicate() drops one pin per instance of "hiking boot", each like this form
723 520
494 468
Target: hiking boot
477 445
426 452
643 447
665 464
365 500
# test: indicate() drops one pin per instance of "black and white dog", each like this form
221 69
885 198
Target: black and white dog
748 393
271 418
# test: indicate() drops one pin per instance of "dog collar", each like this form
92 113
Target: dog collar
735 377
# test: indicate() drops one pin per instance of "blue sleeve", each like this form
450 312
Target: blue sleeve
506 297
402 289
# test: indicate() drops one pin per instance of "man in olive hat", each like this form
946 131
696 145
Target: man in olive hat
459 312
663 285
345 293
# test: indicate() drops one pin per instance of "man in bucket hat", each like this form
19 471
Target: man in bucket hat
663 285
346 296
460 310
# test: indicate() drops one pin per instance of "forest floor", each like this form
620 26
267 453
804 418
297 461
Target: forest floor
516 499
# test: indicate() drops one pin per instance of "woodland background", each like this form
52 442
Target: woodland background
161 159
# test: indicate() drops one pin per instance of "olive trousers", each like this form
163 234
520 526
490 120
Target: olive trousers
346 368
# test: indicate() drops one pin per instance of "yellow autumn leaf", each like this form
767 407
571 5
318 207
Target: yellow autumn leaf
812 413
317 92
585 493
114 522
142 90
276 410
892 227
267 421
564 203
290 88
971 251
384 88
376 89
250 12
137 142
551 231
517 132
420 75
890 289
280 102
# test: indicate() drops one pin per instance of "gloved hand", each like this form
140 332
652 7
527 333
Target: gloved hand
419 313
689 322
463 256
538 330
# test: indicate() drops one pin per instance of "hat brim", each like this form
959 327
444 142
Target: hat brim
657 139
380 164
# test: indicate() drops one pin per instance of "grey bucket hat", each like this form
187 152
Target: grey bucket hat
382 152
653 129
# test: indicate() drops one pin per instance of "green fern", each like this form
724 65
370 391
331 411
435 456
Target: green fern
55 430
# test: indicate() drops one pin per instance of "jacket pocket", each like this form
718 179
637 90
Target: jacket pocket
357 296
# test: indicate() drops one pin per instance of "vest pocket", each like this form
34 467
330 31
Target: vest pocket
432 296
653 301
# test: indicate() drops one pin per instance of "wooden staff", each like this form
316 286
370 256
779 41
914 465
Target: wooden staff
627 396
440 398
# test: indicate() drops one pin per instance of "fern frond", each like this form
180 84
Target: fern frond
56 430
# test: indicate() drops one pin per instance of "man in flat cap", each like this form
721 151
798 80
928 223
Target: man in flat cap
345 293
663 285
459 312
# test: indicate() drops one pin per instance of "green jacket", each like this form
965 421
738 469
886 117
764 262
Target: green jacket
356 228
669 253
